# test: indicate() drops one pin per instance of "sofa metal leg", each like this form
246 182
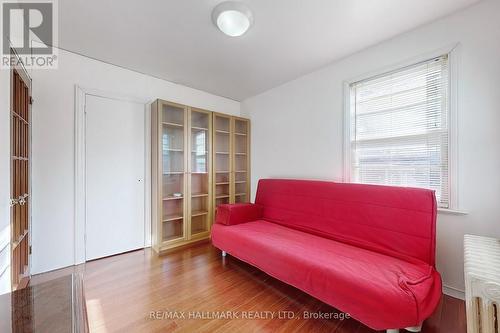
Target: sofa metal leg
224 253
415 329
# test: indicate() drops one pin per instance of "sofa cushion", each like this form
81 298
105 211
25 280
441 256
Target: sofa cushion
230 214
376 289
392 220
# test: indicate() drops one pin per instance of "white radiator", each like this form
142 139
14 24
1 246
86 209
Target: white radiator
482 283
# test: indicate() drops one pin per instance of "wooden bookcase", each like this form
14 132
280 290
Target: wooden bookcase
240 136
231 159
199 159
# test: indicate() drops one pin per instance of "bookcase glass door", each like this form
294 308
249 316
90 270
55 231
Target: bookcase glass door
200 160
222 159
200 168
173 175
240 160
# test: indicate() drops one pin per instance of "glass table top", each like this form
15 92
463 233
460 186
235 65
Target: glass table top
54 306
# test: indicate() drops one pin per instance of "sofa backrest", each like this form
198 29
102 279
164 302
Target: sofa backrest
396 221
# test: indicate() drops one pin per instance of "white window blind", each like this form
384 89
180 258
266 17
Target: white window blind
399 128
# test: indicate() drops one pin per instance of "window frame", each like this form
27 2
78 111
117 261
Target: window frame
349 107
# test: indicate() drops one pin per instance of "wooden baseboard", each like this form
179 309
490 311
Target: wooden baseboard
184 246
453 292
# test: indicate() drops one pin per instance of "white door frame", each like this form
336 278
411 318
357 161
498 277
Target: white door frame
81 161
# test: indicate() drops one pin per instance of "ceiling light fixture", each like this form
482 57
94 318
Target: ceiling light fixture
232 18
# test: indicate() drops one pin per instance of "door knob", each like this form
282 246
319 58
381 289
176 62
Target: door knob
22 199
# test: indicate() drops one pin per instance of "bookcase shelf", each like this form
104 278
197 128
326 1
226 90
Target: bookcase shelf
172 124
173 217
231 159
171 197
199 213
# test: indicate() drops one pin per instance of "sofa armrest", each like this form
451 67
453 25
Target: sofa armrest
238 213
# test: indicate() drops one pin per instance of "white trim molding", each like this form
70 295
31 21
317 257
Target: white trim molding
80 167
448 211
453 95
453 52
454 292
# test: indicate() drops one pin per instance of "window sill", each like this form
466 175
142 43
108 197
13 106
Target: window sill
448 211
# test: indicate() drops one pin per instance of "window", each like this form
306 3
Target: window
399 129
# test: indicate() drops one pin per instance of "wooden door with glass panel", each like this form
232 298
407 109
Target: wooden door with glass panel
173 174
222 159
241 159
200 173
20 176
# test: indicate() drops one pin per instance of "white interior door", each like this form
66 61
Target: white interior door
115 173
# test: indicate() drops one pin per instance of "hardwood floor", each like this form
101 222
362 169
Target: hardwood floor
141 292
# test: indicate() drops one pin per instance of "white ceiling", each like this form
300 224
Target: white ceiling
176 40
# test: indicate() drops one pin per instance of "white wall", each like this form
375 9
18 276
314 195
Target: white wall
297 127
5 282
53 142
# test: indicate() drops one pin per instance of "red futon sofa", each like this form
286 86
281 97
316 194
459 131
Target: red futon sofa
366 250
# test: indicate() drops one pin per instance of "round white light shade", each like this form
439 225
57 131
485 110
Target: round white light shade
232 18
